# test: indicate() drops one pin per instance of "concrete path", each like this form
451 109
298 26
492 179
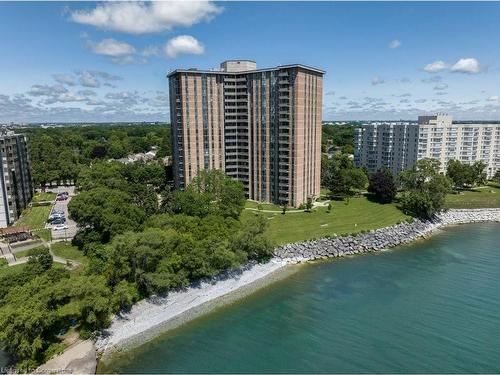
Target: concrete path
315 205
79 358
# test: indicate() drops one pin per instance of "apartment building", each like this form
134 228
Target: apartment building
441 139
398 146
260 126
391 145
16 184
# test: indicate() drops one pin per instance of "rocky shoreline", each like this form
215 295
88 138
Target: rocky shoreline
382 238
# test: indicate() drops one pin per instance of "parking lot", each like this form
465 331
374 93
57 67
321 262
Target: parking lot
70 232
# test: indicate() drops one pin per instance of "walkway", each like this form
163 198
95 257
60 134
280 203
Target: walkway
291 211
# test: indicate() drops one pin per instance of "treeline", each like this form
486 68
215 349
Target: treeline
58 154
140 238
338 136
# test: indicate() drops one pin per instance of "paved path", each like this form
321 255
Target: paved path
79 358
315 205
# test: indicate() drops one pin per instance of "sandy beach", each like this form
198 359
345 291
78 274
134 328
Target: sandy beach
149 318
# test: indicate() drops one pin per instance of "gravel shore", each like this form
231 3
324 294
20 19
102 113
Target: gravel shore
151 317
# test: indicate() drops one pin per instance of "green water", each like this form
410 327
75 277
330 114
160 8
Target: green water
430 307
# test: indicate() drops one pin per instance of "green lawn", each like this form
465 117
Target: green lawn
34 217
24 253
483 197
43 197
68 251
301 226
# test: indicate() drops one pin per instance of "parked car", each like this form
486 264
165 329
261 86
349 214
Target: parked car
60 227
61 198
56 216
58 221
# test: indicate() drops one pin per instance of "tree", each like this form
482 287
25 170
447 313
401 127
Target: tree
459 173
464 175
424 188
309 204
226 194
342 177
478 172
211 192
497 175
284 208
251 239
106 211
382 184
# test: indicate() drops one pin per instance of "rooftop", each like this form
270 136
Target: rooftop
248 63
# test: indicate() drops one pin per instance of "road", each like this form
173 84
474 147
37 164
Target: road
63 205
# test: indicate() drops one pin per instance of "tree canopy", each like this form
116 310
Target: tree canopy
424 188
342 177
383 186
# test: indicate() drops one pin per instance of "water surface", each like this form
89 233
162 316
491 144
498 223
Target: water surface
433 306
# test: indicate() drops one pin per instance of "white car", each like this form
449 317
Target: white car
60 227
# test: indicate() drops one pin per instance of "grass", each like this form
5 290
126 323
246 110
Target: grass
483 197
68 251
24 253
358 215
34 217
43 197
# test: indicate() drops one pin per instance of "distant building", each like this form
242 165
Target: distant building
391 145
260 126
398 146
16 183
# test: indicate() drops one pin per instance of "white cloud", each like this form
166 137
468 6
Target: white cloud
466 65
112 47
395 44
494 98
105 75
183 44
441 87
151 51
377 80
433 79
88 79
66 79
46 90
128 59
150 17
436 66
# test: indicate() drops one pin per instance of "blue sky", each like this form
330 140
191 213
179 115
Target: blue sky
108 61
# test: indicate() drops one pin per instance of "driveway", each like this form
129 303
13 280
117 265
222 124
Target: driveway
63 205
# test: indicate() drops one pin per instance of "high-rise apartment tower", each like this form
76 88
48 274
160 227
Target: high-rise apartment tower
16 184
260 126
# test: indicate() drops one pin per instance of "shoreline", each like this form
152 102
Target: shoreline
155 316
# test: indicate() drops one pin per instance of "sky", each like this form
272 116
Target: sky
93 62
